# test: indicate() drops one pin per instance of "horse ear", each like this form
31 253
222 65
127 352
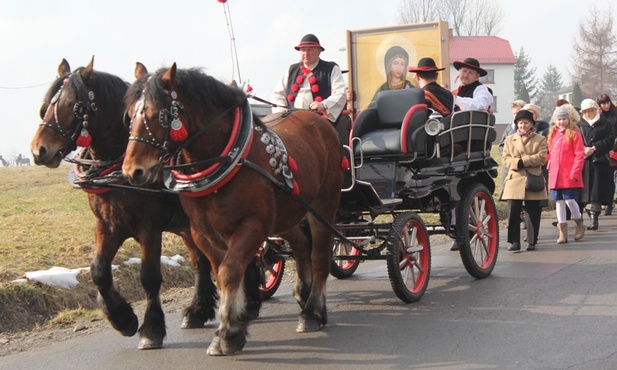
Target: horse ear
169 77
63 68
140 70
87 73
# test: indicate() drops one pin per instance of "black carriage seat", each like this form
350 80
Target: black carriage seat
392 125
467 136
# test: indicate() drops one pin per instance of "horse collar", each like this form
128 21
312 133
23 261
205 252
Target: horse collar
225 167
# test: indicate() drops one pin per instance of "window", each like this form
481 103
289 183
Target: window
489 78
494 106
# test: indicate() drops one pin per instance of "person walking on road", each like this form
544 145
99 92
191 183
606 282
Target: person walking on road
523 152
566 158
599 138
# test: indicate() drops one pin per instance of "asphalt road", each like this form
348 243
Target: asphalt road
553 308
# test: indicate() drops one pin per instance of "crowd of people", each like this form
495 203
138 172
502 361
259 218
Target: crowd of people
570 160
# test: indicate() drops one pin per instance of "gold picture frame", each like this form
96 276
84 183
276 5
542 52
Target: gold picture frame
368 49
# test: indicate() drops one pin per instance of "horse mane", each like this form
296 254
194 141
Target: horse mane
107 88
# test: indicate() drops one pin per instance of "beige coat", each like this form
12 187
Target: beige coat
533 152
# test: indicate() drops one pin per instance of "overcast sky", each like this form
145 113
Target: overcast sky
36 34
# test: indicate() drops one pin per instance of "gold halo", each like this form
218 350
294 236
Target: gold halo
387 43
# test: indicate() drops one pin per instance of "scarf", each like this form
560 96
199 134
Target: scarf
593 120
524 133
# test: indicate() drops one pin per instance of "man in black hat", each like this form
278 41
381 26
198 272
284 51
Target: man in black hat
314 84
471 95
437 97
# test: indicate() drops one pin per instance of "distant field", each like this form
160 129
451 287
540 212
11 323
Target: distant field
44 222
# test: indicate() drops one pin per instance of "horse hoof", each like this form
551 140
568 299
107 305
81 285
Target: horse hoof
147 343
214 349
192 323
130 328
233 344
307 325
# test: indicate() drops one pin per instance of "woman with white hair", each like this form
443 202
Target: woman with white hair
598 137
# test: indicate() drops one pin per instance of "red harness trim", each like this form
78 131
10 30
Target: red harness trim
209 170
199 175
103 189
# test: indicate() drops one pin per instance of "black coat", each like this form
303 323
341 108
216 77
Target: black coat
597 173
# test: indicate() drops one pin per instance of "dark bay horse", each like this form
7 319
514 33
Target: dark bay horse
88 103
240 181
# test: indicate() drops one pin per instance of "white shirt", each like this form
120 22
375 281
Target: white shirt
333 105
482 99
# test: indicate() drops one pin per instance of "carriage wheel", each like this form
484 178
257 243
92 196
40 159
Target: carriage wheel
409 257
271 267
341 268
477 231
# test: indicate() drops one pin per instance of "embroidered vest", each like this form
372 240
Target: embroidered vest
322 73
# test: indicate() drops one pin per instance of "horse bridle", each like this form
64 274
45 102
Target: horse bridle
82 110
168 119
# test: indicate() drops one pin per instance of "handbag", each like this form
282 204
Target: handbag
533 182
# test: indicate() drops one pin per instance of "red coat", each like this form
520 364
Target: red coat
565 161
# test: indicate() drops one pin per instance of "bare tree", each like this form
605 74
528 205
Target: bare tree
465 17
594 54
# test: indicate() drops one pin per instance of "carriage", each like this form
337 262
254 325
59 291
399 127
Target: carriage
244 179
407 162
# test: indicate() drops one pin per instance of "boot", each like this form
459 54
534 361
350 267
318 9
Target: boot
580 229
594 220
609 210
563 233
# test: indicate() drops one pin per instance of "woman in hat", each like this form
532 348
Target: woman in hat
396 62
472 94
599 138
566 157
524 151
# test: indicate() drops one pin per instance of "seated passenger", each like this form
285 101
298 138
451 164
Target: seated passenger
437 97
472 94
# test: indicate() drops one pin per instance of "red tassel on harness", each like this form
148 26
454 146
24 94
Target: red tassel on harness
345 163
293 166
84 139
296 189
178 131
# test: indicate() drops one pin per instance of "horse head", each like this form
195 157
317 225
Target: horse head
172 111
81 108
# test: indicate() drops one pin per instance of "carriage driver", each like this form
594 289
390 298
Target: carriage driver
314 84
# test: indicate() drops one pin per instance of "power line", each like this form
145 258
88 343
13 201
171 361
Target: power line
24 87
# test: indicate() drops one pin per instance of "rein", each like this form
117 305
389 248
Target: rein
284 188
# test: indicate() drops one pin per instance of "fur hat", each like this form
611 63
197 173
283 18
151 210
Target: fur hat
523 113
534 109
589 104
309 41
470 63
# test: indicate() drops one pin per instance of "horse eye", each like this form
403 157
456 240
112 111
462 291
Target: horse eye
126 119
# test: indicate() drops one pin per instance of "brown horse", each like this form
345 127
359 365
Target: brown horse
240 181
89 103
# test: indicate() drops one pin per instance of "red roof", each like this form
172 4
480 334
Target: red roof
486 49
